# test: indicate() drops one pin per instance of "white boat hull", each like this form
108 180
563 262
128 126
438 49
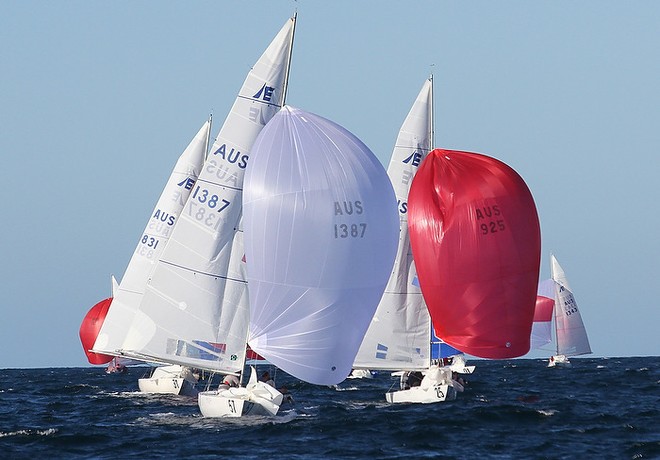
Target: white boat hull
174 386
459 365
174 380
436 386
255 399
360 374
433 394
559 360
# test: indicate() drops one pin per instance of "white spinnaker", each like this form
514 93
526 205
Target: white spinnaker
572 337
128 294
195 311
399 334
320 239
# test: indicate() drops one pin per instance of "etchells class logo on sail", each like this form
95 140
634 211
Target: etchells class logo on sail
414 159
265 94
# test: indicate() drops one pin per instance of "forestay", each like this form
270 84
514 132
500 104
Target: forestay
476 240
399 334
127 295
195 309
320 239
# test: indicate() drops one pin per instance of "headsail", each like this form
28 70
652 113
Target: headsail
399 333
128 294
572 337
195 309
320 238
121 307
476 240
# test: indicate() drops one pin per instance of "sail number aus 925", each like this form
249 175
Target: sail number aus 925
350 231
493 226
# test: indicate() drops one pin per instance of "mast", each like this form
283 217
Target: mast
432 127
556 305
288 63
208 137
430 351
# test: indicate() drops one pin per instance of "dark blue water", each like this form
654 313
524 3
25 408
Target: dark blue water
598 409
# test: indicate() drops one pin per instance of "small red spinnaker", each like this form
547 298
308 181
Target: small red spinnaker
476 243
89 330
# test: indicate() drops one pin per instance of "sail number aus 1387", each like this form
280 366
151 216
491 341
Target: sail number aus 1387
349 230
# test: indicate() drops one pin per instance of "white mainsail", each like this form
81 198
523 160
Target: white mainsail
195 310
320 239
572 337
128 294
399 334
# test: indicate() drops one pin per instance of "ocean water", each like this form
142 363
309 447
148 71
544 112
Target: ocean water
597 409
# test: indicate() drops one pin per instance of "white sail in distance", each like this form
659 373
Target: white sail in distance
195 311
572 337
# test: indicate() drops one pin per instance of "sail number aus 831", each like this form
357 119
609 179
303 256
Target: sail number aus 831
352 230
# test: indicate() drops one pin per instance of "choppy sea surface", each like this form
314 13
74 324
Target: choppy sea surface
597 409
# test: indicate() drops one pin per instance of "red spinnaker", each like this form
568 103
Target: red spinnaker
476 243
89 330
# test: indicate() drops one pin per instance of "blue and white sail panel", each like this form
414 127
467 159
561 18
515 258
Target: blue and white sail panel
321 232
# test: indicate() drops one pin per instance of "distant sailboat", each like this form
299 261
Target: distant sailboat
476 241
571 335
321 232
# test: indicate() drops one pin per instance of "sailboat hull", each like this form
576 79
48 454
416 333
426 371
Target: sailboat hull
559 360
173 386
436 386
433 394
174 380
257 399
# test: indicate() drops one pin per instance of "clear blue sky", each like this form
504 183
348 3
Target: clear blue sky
98 99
